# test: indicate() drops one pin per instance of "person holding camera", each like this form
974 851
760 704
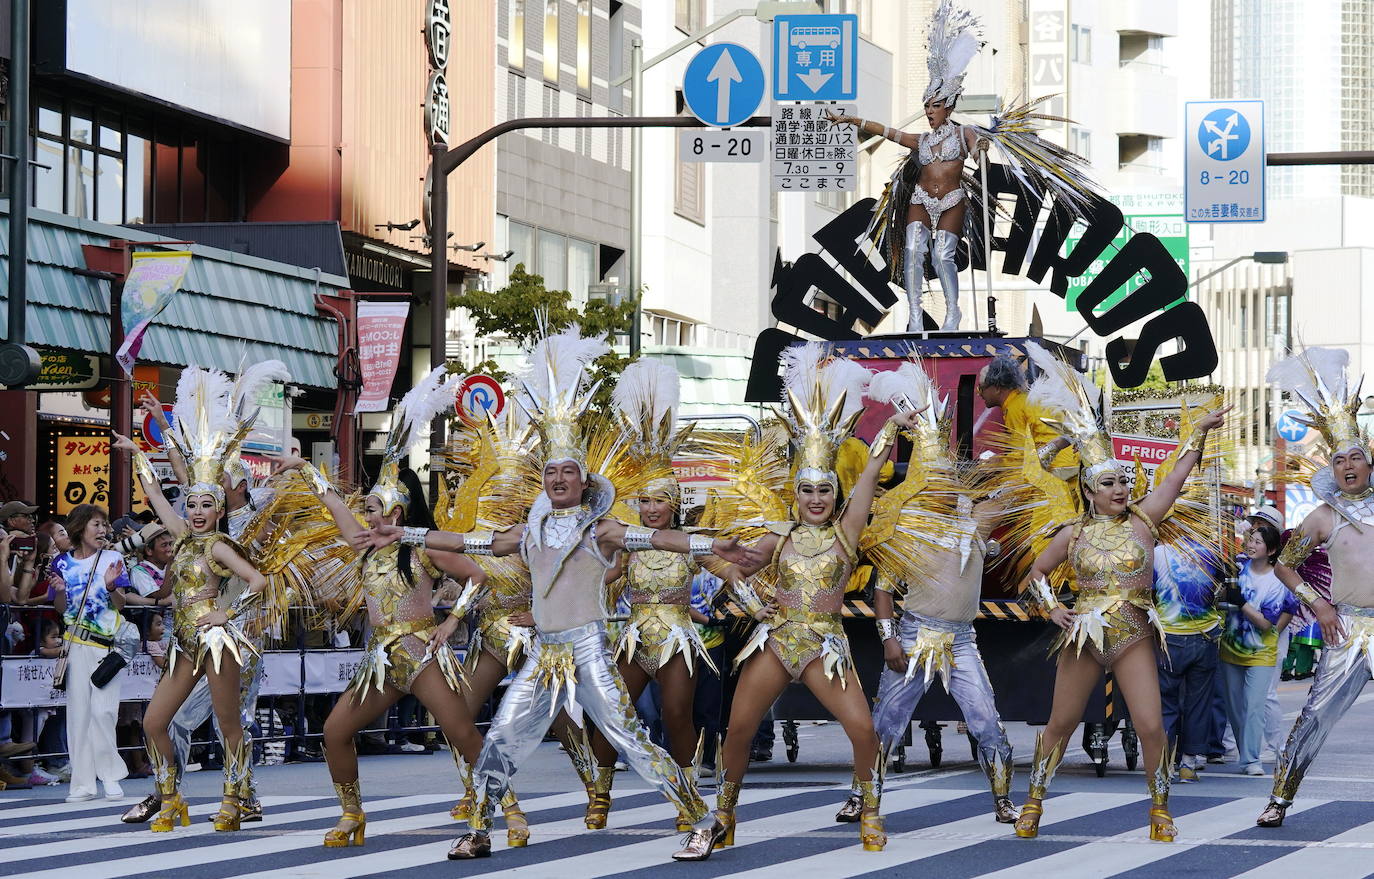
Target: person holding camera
87 585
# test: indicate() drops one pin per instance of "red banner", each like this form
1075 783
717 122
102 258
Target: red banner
381 329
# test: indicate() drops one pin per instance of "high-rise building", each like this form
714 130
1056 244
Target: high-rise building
1312 63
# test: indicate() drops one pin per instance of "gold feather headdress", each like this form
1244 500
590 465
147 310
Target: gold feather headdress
1079 413
646 399
555 392
206 433
824 400
1316 379
432 397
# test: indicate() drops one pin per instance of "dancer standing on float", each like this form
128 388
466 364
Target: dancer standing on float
406 651
1344 525
1110 547
941 586
800 636
929 193
205 640
569 543
659 642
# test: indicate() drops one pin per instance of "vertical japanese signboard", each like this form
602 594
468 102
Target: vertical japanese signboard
381 329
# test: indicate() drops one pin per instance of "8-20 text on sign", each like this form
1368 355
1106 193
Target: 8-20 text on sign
721 145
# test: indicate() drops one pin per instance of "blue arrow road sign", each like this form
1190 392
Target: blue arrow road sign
1290 428
723 84
815 57
1224 134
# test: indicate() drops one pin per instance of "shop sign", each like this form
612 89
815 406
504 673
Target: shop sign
312 420
66 371
81 473
381 330
438 29
436 109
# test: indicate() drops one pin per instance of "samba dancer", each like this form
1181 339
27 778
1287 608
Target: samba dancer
1110 546
1316 379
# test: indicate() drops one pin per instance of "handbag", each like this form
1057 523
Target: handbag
108 668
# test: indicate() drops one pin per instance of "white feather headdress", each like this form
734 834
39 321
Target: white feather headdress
555 391
248 388
429 399
1316 377
206 432
952 43
824 400
646 399
908 388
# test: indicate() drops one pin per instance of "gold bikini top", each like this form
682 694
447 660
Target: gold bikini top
657 576
813 565
1106 552
390 598
193 564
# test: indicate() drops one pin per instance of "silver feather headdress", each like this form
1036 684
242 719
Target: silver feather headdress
952 43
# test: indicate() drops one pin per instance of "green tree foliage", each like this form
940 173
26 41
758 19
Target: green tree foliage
524 307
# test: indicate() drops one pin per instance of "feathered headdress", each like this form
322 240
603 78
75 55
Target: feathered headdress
555 392
646 398
248 388
908 388
421 405
824 400
1078 413
952 42
1316 378
206 432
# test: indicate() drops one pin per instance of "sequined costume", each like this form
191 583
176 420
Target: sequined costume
401 616
813 565
659 589
1316 378
1115 604
197 579
492 630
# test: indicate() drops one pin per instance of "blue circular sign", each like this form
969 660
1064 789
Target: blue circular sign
1224 134
723 84
1290 428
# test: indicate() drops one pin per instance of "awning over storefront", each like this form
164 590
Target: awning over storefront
232 308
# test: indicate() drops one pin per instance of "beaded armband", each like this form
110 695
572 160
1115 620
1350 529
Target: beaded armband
1296 551
414 536
887 629
1306 594
638 538
315 480
245 601
701 545
882 443
1040 594
478 542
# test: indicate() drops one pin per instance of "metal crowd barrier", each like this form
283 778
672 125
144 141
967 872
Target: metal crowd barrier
303 675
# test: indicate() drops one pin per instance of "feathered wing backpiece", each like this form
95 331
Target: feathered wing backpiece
206 432
952 42
429 399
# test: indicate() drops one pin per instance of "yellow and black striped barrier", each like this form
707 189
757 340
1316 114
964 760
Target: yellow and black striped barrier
859 609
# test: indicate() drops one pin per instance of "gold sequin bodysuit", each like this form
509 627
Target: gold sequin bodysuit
1115 605
508 593
197 580
659 590
401 615
813 566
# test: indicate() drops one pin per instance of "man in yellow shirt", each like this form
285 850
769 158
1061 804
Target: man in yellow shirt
1002 384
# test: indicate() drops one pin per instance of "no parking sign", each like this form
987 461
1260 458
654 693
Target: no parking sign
479 396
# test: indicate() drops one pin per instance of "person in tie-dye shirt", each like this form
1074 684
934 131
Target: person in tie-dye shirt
1249 644
1185 599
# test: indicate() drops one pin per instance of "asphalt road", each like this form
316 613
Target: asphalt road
938 821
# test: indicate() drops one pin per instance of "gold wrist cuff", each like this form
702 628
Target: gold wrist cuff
316 480
882 443
144 468
748 598
1306 594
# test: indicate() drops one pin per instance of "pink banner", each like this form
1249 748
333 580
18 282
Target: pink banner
381 329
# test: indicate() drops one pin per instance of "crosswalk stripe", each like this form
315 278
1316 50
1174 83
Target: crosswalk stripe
109 818
199 829
907 848
51 808
1345 854
657 852
1126 851
420 855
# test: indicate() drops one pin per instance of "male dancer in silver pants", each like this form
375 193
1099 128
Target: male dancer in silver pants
935 638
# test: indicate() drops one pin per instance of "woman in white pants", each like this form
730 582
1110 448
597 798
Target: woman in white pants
87 584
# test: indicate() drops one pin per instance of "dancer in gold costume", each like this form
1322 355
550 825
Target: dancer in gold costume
659 642
406 651
205 639
800 636
1110 546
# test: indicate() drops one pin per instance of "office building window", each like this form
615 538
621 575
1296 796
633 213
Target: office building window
690 15
515 40
1080 44
551 40
584 46
107 167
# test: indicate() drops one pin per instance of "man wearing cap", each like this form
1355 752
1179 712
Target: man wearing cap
16 517
146 576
